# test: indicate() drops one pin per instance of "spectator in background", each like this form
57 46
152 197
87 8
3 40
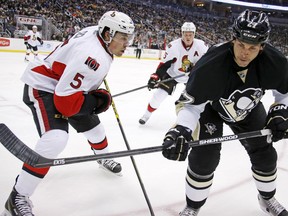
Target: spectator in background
139 47
154 44
76 28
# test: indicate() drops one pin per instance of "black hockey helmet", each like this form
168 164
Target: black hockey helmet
252 27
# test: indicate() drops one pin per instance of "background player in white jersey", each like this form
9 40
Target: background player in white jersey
64 89
32 40
226 86
179 58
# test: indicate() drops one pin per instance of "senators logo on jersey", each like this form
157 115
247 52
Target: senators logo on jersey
92 63
186 64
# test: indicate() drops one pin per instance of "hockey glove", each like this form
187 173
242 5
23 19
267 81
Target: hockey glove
26 44
40 40
175 146
277 121
152 82
104 100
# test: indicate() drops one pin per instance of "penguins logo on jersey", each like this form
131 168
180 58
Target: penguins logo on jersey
210 128
92 63
240 103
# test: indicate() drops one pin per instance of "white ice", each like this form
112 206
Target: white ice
84 189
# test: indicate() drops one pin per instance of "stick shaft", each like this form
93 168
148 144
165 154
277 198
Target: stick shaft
13 144
131 157
145 86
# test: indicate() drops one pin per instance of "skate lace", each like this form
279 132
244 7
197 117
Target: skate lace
110 163
189 212
274 205
24 205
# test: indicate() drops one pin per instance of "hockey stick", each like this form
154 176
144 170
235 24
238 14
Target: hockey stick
145 86
13 144
128 147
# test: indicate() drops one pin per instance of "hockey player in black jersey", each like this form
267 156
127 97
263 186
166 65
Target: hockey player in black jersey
226 86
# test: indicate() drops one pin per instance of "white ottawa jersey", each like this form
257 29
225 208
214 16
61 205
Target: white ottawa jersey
77 66
32 38
185 58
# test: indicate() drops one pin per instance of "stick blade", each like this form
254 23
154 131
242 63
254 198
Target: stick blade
13 144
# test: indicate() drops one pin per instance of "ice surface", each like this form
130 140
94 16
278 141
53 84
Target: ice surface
85 190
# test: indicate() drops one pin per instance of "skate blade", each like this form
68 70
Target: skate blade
109 171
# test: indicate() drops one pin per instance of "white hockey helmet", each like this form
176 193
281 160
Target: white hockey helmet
34 27
116 22
188 27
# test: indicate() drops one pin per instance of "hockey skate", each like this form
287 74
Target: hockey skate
111 166
145 118
272 207
188 211
26 59
18 205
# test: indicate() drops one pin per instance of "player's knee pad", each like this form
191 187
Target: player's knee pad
264 159
205 159
96 134
52 143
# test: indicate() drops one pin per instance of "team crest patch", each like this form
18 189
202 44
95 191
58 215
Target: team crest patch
92 63
186 65
210 128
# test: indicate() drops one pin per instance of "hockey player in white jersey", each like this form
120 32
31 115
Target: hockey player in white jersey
179 58
32 40
63 89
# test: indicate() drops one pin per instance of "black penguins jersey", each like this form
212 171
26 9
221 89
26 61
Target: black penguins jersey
234 91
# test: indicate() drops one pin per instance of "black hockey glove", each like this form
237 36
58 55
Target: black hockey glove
154 78
104 100
175 146
26 44
277 121
40 40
